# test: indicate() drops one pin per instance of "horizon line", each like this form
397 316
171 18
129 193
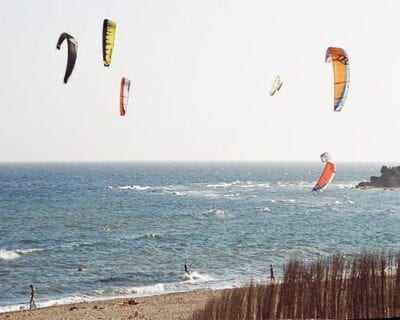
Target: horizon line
186 161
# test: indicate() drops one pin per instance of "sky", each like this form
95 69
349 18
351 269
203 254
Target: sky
200 75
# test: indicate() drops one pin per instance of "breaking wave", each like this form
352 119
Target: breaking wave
15 254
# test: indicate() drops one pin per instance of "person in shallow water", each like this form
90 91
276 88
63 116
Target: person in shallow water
32 303
186 269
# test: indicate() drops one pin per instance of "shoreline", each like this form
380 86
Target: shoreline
167 306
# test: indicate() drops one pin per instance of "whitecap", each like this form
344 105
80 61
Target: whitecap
267 209
287 200
264 185
343 185
8 255
15 254
134 187
151 235
305 184
219 185
215 212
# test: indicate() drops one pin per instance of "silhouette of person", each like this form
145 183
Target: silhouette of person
32 303
271 272
186 269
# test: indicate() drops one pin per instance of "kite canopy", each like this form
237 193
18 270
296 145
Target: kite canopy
124 96
327 174
72 52
276 85
108 41
341 73
326 157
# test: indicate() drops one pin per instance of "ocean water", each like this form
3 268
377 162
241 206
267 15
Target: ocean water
133 226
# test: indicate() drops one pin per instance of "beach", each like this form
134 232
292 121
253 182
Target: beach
171 306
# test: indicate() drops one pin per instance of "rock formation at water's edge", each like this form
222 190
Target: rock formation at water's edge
390 178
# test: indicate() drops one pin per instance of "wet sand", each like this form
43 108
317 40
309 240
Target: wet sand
171 306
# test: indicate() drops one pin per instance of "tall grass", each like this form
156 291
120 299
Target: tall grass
362 287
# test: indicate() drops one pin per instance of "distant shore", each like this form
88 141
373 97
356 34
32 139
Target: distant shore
171 306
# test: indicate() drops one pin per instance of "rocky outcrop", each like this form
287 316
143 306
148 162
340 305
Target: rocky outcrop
390 178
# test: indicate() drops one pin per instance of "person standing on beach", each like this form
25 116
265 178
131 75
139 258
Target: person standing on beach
271 272
32 303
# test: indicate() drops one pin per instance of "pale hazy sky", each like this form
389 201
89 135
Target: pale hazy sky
201 72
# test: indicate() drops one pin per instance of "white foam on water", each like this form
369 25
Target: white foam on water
109 227
44 304
266 209
343 185
97 295
8 255
239 184
220 185
195 277
15 254
129 291
151 235
212 212
157 288
135 187
252 184
204 193
285 200
216 212
305 184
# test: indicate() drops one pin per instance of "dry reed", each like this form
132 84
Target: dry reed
364 286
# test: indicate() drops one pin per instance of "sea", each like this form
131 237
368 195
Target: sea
94 231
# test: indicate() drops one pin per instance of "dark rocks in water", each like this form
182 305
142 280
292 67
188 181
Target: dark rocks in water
390 178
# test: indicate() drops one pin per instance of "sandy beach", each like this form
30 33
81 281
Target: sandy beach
171 306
